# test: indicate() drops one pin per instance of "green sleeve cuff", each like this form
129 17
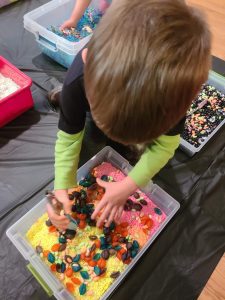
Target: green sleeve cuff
67 152
154 159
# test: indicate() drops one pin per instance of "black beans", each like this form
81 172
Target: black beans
112 252
128 205
68 259
124 256
105 254
129 202
93 187
93 237
70 234
92 223
122 240
129 245
104 178
48 223
39 249
137 207
71 196
58 268
76 194
108 239
136 195
103 271
93 247
74 208
143 202
62 247
115 275
106 230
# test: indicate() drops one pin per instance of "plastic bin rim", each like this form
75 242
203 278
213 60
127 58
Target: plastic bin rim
28 82
188 147
60 41
28 79
58 293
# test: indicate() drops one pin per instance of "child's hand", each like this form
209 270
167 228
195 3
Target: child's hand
116 194
61 222
68 24
103 5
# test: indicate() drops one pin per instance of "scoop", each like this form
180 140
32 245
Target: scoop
58 207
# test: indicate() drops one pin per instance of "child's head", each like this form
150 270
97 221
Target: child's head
145 64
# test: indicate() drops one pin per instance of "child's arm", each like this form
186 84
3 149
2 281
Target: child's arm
67 151
151 162
77 13
73 107
154 158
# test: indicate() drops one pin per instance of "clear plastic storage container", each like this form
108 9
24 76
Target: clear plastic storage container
17 232
54 13
218 82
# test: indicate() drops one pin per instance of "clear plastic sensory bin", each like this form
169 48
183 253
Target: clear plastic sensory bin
205 116
90 262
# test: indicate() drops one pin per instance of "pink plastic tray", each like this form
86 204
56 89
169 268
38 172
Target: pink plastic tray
18 102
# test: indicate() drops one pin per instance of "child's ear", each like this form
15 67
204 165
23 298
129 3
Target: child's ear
84 55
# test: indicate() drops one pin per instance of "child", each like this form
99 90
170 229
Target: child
79 9
143 67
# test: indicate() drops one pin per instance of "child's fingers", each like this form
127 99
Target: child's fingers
104 215
60 226
119 214
58 221
67 206
99 207
64 26
50 211
111 217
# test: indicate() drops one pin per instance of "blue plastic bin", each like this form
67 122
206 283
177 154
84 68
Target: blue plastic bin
54 13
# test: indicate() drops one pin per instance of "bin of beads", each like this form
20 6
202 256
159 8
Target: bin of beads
205 116
62 46
15 94
90 262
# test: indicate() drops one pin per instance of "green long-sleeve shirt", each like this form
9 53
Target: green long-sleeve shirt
67 151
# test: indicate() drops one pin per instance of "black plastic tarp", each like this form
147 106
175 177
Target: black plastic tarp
179 263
